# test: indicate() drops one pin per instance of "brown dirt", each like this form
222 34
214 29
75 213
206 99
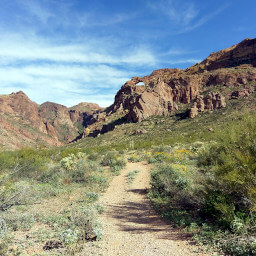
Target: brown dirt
132 227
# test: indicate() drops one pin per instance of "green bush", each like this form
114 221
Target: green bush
12 194
109 158
230 167
98 181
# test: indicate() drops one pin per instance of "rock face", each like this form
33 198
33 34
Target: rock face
159 95
166 90
58 121
25 123
210 102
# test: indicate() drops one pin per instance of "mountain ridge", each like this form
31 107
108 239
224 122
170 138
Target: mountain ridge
24 123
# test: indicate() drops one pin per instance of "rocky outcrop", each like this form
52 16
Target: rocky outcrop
87 108
19 105
209 102
164 90
157 96
241 93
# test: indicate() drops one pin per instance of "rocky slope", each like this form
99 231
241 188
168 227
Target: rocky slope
23 123
166 90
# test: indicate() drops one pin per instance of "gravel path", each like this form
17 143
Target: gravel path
131 226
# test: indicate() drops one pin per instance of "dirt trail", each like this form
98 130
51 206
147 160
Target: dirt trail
131 226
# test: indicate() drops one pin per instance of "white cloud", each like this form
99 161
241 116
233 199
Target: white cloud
92 19
61 83
15 47
179 13
46 70
185 17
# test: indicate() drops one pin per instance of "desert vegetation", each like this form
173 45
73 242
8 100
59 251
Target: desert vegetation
209 188
49 199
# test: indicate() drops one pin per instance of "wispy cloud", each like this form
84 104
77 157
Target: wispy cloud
179 13
184 16
37 9
94 51
89 19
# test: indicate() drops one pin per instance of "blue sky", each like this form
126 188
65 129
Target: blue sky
70 51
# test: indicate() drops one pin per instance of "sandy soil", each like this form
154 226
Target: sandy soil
132 227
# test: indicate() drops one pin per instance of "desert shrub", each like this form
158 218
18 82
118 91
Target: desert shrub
152 160
69 162
95 166
12 194
231 169
52 174
4 237
168 181
162 148
69 236
19 221
240 246
120 161
94 157
135 158
197 146
85 221
80 172
97 180
91 197
99 208
131 176
109 158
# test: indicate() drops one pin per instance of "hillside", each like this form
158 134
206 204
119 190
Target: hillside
27 124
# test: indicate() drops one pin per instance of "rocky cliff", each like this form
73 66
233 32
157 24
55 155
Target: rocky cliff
166 90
